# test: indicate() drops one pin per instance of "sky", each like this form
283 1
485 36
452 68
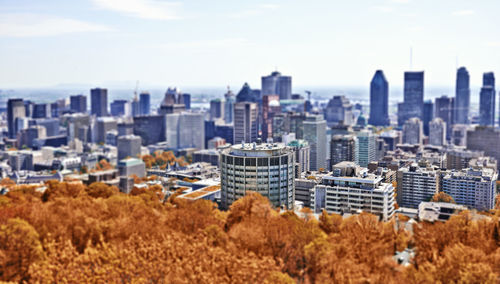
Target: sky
229 42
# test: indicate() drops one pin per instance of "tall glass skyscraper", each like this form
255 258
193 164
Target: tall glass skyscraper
462 97
413 105
379 100
144 103
487 100
99 102
276 84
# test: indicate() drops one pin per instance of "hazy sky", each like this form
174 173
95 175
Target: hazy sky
216 43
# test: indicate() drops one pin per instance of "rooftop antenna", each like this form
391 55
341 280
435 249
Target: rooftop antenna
411 58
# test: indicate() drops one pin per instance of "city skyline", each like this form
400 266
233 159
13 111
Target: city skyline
99 42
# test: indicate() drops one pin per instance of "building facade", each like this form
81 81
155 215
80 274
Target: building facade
379 100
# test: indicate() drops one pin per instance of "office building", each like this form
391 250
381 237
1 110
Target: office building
413 131
444 108
267 169
339 111
379 100
458 158
145 103
131 166
462 97
78 103
428 115
487 98
437 132
245 122
343 148
315 134
484 139
41 111
151 128
459 134
416 185
229 100
270 107
367 148
246 94
105 124
474 188
413 105
15 110
391 139
216 109
351 190
99 102
120 108
128 146
135 107
302 156
277 84
185 130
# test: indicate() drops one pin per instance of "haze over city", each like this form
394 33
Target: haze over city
219 43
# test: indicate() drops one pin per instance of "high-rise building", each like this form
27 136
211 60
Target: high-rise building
135 106
15 110
276 84
339 110
315 134
145 104
128 146
475 188
302 156
151 128
413 131
41 111
428 115
459 158
78 103
437 132
270 107
184 99
462 97
229 106
379 100
487 99
99 102
413 105
484 139
444 108
216 109
267 169
245 122
120 108
186 130
367 148
343 148
105 124
416 185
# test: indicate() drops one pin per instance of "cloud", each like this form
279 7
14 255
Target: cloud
38 25
260 9
401 1
205 44
384 9
463 13
145 9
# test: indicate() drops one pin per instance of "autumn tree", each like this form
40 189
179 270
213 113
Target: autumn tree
442 197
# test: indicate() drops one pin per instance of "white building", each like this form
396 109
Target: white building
413 131
185 130
264 168
315 135
416 185
437 132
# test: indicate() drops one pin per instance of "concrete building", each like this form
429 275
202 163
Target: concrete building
131 166
185 130
437 132
302 155
267 169
413 105
444 108
41 111
99 102
216 109
229 100
391 139
367 148
128 146
277 84
339 110
413 131
379 100
27 137
343 148
438 211
459 158
427 115
415 185
474 188
245 122
120 108
459 134
210 156
462 97
484 139
315 135
105 124
351 190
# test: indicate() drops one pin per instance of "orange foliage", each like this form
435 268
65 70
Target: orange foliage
442 197
161 159
76 233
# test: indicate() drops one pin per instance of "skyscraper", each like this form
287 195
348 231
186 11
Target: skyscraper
186 130
245 122
428 115
437 132
41 111
78 103
339 110
99 102
315 134
15 109
128 146
413 131
367 148
145 104
120 108
487 100
444 108
413 105
462 97
379 100
276 84
229 106
216 109
343 148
